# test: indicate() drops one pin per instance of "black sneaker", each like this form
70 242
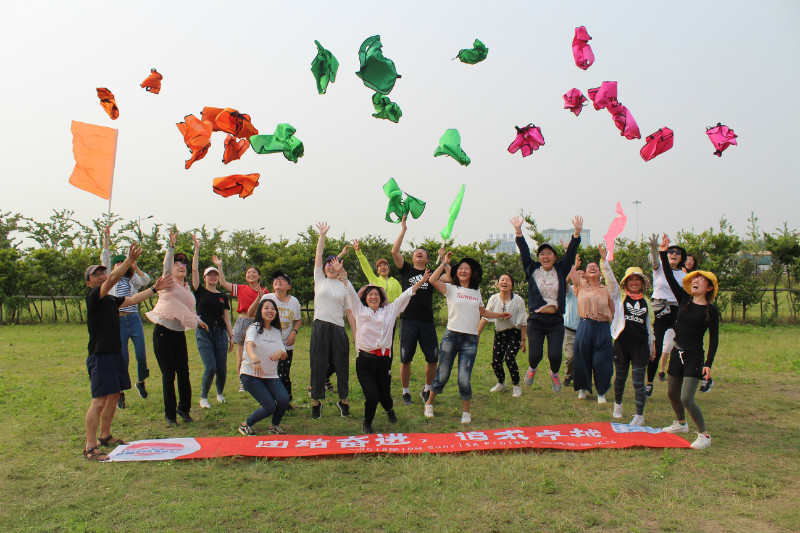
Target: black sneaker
392 417
648 390
344 409
142 390
121 402
171 422
567 382
185 416
705 386
662 376
316 411
425 394
407 399
366 428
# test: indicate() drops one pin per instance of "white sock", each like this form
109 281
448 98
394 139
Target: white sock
406 390
426 387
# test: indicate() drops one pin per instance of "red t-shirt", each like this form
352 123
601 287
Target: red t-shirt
246 296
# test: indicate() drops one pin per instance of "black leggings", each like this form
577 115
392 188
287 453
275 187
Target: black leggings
375 376
505 348
541 326
173 360
665 319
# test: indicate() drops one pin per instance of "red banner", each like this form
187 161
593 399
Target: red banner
561 437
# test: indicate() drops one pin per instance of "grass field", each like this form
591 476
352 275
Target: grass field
749 480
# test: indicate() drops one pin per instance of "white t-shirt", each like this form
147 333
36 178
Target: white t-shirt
661 288
289 312
266 343
463 309
329 298
519 317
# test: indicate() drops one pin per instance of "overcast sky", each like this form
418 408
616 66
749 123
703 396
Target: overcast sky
685 65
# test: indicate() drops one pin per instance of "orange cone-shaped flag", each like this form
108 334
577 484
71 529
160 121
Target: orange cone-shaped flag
95 150
234 149
108 102
241 184
197 136
152 83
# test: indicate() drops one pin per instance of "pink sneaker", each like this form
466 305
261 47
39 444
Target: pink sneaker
529 376
556 381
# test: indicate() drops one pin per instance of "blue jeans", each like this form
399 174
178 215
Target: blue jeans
270 394
130 327
213 348
466 346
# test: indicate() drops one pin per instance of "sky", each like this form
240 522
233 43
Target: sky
685 65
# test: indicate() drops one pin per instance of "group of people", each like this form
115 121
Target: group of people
605 329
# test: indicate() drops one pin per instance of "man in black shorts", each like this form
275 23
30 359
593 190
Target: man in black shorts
108 373
416 322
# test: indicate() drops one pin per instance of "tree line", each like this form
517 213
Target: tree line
750 269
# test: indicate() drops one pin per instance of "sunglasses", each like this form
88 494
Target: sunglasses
673 252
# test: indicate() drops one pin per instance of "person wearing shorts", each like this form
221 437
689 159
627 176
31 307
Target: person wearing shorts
416 322
108 373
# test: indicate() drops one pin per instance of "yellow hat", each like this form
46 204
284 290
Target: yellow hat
687 282
635 271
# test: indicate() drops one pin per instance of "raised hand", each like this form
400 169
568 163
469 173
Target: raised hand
517 223
356 245
577 223
164 282
448 257
653 242
603 250
323 228
403 223
134 251
216 260
426 275
173 236
194 240
344 251
664 243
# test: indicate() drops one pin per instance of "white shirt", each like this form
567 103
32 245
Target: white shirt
289 312
329 298
516 306
661 290
374 329
463 309
266 343
547 283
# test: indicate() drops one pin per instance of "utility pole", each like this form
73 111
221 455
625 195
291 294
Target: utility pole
636 203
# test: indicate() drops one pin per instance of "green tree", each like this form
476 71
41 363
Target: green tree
784 247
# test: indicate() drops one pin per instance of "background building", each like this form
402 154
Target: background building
504 242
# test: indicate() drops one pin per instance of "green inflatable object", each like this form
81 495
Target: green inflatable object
377 72
398 207
455 207
450 144
324 68
385 108
283 140
473 55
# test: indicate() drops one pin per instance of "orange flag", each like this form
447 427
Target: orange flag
152 83
108 102
95 150
241 184
234 149
197 136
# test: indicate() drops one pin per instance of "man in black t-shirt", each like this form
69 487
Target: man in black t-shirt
416 322
108 374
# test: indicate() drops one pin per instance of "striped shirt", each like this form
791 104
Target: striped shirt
123 291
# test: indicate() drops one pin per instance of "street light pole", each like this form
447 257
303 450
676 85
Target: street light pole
139 226
636 203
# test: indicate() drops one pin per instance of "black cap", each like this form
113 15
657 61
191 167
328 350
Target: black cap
280 274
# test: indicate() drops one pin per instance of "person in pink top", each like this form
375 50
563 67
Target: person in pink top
245 295
173 315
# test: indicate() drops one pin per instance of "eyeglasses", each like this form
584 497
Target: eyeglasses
673 252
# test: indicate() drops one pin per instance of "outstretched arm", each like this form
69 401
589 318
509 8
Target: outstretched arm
441 286
362 260
396 255
574 242
115 275
105 256
655 260
323 228
161 283
195 263
677 288
524 252
222 281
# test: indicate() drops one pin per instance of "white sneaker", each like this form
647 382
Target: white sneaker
582 394
638 420
601 398
517 391
220 398
500 387
617 410
204 403
466 417
428 411
700 443
676 427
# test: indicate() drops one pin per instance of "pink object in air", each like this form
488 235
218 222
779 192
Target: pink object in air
574 101
615 230
603 95
528 139
657 143
581 51
624 120
721 137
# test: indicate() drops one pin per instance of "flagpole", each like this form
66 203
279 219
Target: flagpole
113 168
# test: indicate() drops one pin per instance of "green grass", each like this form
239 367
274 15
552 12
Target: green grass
748 479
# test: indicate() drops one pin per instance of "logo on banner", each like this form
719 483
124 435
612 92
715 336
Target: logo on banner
155 450
625 428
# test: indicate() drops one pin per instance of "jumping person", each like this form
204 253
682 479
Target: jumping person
665 306
547 288
215 343
632 330
245 295
108 373
592 350
464 312
687 367
173 314
416 322
509 335
130 323
690 265
259 372
329 345
291 321
375 318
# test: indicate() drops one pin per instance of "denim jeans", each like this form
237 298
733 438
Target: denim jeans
270 394
130 327
213 348
466 346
